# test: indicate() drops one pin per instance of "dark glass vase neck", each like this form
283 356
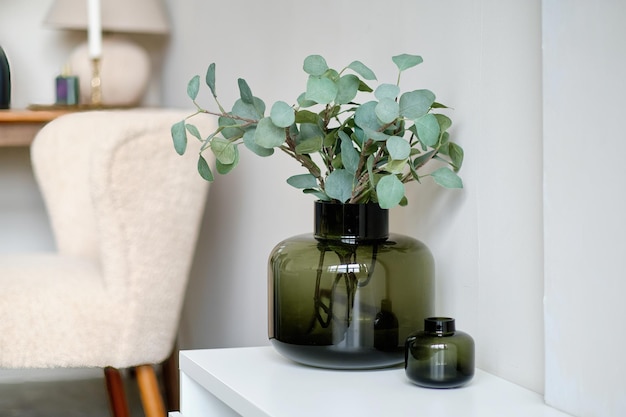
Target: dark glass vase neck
351 223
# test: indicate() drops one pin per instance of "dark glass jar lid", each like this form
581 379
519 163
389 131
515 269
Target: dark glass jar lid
439 325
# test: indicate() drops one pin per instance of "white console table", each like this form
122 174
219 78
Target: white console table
258 382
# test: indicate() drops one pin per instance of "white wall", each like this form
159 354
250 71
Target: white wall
585 190
482 57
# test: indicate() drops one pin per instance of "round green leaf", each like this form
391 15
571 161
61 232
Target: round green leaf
347 89
390 191
339 185
387 110
224 150
365 116
315 65
321 90
399 148
282 114
193 87
427 129
387 91
268 135
252 111
446 178
406 61
414 104
248 141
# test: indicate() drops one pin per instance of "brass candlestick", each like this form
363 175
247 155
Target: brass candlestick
96 83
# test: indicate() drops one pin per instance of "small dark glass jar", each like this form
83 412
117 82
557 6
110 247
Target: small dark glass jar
439 356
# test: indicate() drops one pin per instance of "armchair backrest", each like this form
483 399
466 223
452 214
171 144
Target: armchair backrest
118 194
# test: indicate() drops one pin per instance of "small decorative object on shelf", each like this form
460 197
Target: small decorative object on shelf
439 356
5 81
348 295
67 88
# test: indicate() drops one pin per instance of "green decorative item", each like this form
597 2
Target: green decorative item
439 356
345 297
348 295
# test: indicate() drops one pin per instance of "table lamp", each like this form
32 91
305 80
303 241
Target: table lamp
113 71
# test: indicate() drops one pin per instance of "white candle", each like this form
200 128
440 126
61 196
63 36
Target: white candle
94 28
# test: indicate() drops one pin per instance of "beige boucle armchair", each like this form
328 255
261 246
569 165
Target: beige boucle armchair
125 211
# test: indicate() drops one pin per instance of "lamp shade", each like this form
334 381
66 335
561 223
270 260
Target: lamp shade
132 16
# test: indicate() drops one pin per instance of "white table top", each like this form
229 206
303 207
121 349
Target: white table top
258 382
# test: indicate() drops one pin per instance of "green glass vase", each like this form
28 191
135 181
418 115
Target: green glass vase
347 296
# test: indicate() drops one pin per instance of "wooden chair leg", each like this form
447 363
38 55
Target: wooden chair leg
149 389
171 381
115 390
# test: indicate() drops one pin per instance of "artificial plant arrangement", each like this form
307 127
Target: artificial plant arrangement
354 152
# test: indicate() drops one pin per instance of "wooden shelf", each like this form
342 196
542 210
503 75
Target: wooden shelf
19 127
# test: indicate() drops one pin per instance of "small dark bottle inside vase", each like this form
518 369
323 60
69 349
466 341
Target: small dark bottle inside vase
439 356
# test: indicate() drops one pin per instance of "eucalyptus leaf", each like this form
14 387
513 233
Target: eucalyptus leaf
248 141
398 148
349 156
249 111
362 70
444 122
193 130
406 61
390 191
224 150
268 135
210 79
321 90
427 129
204 170
229 127
456 155
446 178
339 185
193 86
396 166
310 145
375 135
302 181
347 89
317 193
306 116
282 114
303 102
365 116
387 110
315 65
387 91
244 91
423 159
179 136
415 104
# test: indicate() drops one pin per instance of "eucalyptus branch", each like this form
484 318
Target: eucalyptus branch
336 117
